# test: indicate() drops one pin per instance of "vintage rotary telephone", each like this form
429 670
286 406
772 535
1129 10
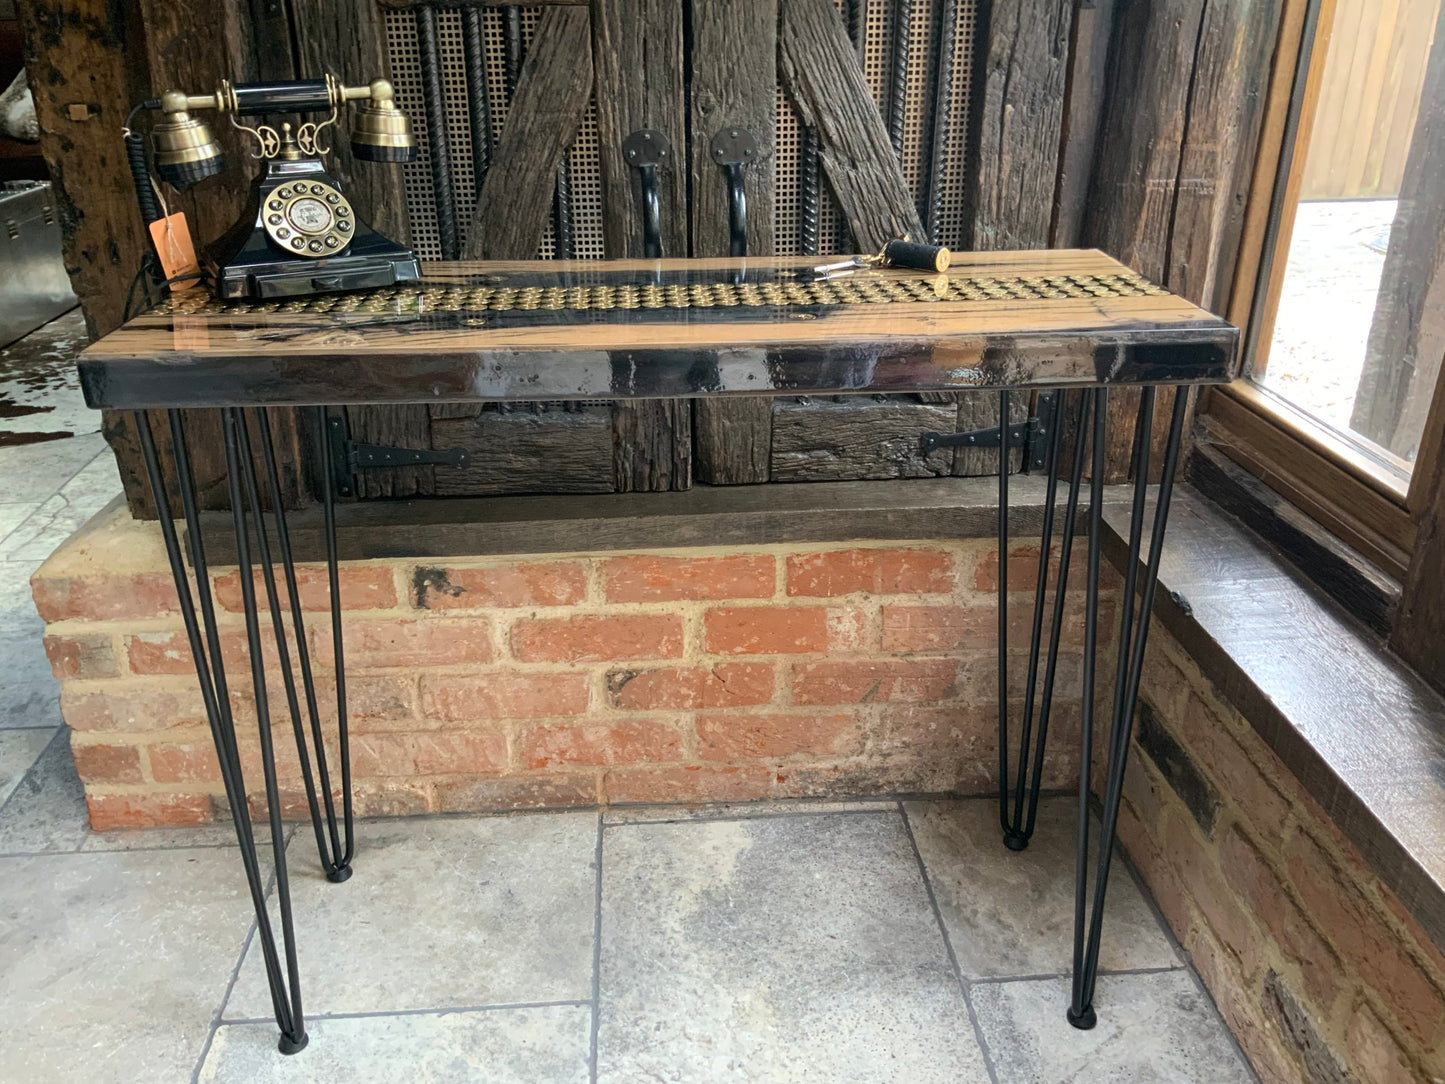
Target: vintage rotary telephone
299 233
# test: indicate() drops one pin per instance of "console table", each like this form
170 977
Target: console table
1074 323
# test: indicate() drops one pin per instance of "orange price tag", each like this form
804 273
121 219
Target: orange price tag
172 237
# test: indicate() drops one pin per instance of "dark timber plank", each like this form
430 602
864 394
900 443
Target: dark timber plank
515 204
1019 117
823 440
734 82
638 54
524 452
652 445
393 427
1083 106
347 38
821 72
979 410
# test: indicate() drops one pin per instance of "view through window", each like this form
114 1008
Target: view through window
1359 331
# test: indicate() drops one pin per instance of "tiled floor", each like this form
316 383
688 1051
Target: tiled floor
867 941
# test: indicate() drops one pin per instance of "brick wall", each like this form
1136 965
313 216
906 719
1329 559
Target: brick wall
769 671
1316 966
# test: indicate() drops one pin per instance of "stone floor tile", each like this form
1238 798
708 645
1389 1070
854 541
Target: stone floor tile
92 488
220 834
112 966
544 1045
35 472
38 374
652 814
1154 1027
442 913
46 811
777 949
29 693
1012 912
19 749
12 515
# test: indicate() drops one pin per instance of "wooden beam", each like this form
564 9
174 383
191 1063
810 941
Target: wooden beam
515 203
652 445
822 75
734 83
1019 119
640 84
347 38
406 5
1083 108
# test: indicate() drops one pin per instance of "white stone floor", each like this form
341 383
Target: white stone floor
864 941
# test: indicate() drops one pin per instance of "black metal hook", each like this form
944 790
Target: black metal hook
645 149
733 149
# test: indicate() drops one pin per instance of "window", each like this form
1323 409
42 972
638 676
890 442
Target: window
1341 400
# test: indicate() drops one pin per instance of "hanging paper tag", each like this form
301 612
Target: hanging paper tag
172 237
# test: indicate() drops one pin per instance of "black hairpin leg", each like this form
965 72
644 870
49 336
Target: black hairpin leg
282 971
1133 639
1018 805
1018 816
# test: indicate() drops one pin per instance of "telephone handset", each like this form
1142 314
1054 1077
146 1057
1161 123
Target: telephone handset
299 234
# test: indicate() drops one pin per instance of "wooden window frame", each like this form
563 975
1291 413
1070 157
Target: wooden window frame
1371 502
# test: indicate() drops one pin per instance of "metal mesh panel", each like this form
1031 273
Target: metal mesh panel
586 172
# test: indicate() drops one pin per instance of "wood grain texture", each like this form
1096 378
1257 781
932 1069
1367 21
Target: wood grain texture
733 440
554 451
1419 628
734 84
1226 108
638 49
979 410
515 203
393 427
77 55
1018 119
652 445
347 38
1407 335
823 440
821 73
1083 108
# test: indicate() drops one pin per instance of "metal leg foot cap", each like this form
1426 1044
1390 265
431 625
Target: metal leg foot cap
1015 841
288 1045
336 876
1084 1020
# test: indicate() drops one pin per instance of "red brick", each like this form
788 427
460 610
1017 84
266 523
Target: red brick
550 583
1023 569
399 641
597 638
373 699
664 579
1377 1057
871 777
726 685
109 811
965 734
431 752
1363 938
391 798
363 587
1213 894
1233 769
1261 888
106 763
105 598
503 695
170 652
128 708
550 791
876 571
745 735
195 761
626 741
916 681
766 630
1238 1005
86 656
688 783
911 628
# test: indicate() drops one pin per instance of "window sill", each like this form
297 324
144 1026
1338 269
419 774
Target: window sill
1361 732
